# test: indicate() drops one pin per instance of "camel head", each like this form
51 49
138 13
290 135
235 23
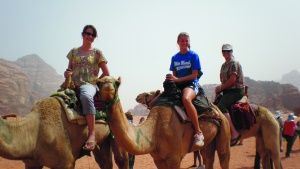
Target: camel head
146 97
108 88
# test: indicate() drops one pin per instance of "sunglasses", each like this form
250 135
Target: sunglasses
89 34
226 50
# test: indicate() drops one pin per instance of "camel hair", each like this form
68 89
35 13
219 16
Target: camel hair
45 137
162 135
266 131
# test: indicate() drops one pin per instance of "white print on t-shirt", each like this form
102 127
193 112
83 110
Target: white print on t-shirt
183 65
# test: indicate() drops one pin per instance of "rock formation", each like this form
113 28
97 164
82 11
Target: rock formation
25 81
270 94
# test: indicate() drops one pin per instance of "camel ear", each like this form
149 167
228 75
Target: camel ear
118 81
157 92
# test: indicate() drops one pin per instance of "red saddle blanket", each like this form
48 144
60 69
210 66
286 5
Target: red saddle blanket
99 105
242 116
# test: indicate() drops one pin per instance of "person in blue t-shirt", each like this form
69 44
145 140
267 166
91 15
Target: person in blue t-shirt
185 66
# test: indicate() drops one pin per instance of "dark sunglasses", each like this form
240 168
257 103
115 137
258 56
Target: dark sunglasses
89 34
226 50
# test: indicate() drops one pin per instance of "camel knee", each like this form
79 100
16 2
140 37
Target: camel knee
121 160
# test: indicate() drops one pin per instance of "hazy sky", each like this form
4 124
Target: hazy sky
138 37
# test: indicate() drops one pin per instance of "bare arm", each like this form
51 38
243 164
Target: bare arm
68 72
105 72
227 84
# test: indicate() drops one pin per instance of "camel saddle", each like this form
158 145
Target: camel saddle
70 103
242 113
171 97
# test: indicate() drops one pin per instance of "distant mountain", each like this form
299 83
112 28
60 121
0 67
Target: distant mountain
44 79
270 94
25 81
292 77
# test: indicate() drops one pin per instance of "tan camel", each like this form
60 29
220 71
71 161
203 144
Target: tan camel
45 137
266 131
162 134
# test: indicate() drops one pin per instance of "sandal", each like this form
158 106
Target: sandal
235 141
89 145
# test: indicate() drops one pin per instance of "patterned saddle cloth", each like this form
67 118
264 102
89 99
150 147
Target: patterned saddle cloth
69 102
211 115
243 114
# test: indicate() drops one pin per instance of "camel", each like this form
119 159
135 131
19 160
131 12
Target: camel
162 135
45 137
266 131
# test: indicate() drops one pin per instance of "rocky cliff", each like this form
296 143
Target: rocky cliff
25 81
270 94
292 77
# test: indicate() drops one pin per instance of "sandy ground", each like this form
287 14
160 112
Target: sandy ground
242 157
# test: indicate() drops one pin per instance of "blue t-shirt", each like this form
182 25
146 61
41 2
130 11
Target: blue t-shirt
183 64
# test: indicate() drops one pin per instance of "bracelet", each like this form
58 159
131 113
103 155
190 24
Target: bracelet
68 69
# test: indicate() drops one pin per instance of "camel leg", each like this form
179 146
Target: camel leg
39 167
171 162
160 164
208 155
263 153
222 143
103 156
120 155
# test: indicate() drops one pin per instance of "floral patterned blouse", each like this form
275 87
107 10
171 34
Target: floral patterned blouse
232 67
85 68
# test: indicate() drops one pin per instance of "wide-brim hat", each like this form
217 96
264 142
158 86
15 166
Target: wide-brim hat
291 117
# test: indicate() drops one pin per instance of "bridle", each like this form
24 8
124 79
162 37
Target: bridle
116 97
147 102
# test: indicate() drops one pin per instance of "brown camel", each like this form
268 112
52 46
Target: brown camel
266 131
162 134
45 137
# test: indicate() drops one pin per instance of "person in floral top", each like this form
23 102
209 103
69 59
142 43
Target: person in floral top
85 63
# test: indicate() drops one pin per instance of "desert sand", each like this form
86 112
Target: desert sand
242 157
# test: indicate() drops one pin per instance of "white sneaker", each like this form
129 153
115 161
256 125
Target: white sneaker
199 139
201 167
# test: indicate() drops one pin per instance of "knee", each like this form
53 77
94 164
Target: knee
186 100
85 97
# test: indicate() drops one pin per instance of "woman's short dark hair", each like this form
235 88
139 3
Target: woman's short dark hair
92 27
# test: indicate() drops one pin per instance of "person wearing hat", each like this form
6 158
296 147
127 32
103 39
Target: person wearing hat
288 133
232 87
279 119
